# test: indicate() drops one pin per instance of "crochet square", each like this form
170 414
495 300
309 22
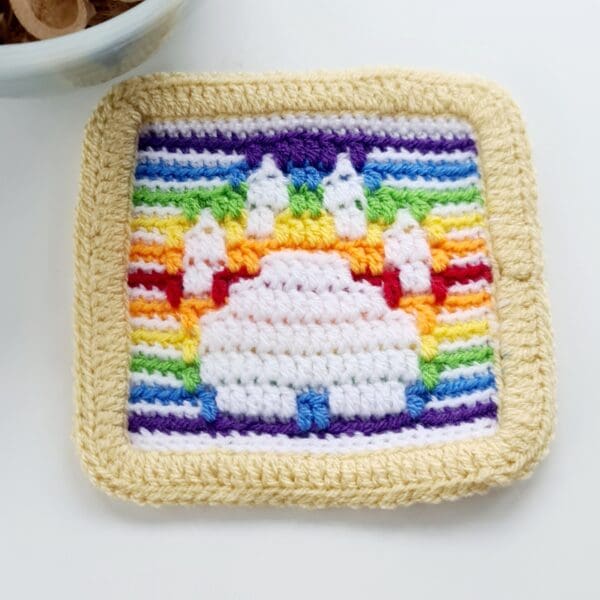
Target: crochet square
315 290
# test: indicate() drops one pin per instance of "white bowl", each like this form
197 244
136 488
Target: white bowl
87 57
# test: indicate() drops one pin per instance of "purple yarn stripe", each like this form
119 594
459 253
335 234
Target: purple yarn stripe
225 424
302 147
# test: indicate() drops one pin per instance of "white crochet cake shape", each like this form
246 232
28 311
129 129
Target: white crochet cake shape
303 323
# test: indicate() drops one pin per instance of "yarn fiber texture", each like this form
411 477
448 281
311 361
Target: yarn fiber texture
321 289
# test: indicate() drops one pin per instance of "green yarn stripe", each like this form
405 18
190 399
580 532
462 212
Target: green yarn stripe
384 202
223 201
189 373
431 369
304 200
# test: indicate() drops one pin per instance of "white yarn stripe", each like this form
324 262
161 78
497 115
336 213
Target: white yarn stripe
190 184
470 288
266 401
147 236
467 233
378 155
248 368
207 158
409 127
156 211
471 371
143 377
167 323
343 444
470 260
308 339
458 209
175 410
305 307
471 399
457 316
420 183
156 350
140 265
191 158
476 340
366 400
147 294
269 401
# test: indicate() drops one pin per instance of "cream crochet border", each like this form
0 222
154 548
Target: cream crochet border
383 478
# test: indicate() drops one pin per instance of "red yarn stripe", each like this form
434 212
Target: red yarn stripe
440 282
467 273
223 279
170 283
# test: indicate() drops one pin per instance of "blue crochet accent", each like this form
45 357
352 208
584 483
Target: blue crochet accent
208 399
313 408
417 397
309 175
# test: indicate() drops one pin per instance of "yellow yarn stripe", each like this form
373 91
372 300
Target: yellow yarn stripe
461 330
290 230
437 226
172 227
185 340
304 230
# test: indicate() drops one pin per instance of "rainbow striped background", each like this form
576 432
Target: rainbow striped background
422 170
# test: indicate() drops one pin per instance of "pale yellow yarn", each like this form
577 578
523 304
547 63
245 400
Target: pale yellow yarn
385 478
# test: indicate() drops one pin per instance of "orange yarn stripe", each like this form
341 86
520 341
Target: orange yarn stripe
463 301
170 256
361 255
460 247
189 311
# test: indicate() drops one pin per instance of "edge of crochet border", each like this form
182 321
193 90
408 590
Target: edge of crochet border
384 478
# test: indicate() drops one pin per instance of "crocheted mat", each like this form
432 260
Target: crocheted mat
317 290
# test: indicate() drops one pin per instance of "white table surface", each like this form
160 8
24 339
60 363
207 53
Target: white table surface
62 538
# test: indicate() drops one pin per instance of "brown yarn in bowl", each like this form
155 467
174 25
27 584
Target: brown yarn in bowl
31 20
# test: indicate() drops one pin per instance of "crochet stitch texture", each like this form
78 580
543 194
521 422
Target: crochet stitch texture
318 290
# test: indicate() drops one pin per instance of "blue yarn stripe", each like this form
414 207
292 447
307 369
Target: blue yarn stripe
309 176
418 396
312 405
158 394
428 169
464 385
375 172
204 396
234 173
